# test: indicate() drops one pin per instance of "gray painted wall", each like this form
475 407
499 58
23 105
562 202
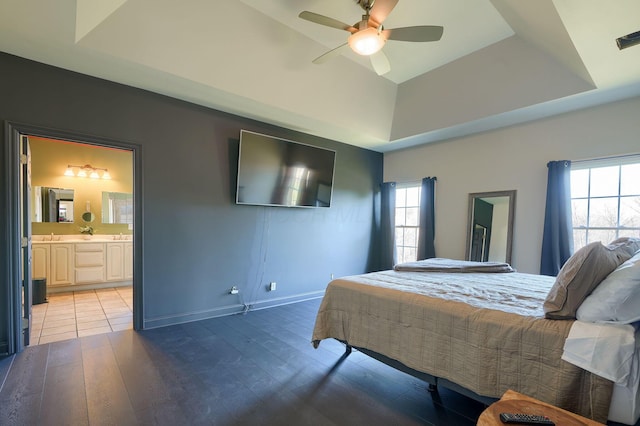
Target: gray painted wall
197 243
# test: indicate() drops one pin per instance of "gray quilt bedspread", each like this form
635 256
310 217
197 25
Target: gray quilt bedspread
485 332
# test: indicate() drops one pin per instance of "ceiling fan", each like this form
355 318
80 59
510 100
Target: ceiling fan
368 36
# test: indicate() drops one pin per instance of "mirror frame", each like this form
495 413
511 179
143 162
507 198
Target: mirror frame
511 194
37 194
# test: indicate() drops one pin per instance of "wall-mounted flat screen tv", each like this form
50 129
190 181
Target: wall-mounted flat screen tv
278 172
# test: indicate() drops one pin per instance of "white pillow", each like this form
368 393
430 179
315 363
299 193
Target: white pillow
617 298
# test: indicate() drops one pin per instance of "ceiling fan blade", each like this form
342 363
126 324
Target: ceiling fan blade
330 54
419 33
380 10
380 63
326 21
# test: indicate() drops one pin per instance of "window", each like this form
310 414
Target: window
407 221
605 200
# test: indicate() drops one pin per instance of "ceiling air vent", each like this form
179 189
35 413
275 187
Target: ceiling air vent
628 40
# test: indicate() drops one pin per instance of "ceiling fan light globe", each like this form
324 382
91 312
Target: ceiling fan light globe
366 42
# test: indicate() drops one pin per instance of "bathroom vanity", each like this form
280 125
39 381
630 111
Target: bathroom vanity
69 262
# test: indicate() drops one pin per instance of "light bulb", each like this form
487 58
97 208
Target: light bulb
366 42
82 173
106 175
94 175
69 172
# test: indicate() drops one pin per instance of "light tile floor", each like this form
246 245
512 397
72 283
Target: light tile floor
81 313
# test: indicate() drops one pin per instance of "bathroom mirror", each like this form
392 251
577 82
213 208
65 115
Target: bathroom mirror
52 204
117 207
490 226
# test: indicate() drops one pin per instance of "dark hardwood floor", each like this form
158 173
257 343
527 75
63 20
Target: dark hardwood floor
252 369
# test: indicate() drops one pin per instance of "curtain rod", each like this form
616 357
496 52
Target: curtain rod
614 157
404 182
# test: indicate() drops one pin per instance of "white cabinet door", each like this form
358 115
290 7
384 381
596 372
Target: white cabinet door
128 261
40 260
115 261
62 260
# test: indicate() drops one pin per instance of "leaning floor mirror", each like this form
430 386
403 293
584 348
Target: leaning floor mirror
490 226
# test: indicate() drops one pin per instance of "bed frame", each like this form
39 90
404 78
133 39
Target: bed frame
433 381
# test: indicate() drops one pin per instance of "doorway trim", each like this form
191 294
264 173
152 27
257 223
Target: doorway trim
11 246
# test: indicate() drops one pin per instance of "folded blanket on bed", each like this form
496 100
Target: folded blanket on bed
438 264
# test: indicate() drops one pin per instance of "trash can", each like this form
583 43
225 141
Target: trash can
39 290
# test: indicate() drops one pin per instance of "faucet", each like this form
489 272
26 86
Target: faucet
121 235
51 237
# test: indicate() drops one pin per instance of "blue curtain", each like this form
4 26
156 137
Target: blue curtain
387 225
426 247
557 238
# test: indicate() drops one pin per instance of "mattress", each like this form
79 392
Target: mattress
483 331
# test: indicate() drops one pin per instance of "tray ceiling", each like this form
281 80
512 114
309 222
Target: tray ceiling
499 62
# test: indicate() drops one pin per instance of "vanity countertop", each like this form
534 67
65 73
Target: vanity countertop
60 239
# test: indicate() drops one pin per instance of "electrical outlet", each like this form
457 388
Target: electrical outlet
272 286
234 290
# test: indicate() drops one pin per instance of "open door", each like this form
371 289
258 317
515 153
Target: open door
25 238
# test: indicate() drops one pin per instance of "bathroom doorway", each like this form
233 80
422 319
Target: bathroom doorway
81 216
83 211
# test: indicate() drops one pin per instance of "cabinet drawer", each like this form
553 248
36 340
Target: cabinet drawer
89 258
89 275
89 247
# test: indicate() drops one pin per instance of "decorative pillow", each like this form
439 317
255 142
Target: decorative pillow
617 298
579 276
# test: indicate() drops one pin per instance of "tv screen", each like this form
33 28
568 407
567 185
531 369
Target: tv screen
278 172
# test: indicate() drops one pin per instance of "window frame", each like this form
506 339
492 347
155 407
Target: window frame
581 232
404 251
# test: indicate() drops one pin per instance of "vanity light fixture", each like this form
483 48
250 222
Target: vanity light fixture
87 168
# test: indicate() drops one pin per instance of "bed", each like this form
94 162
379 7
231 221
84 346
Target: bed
480 332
